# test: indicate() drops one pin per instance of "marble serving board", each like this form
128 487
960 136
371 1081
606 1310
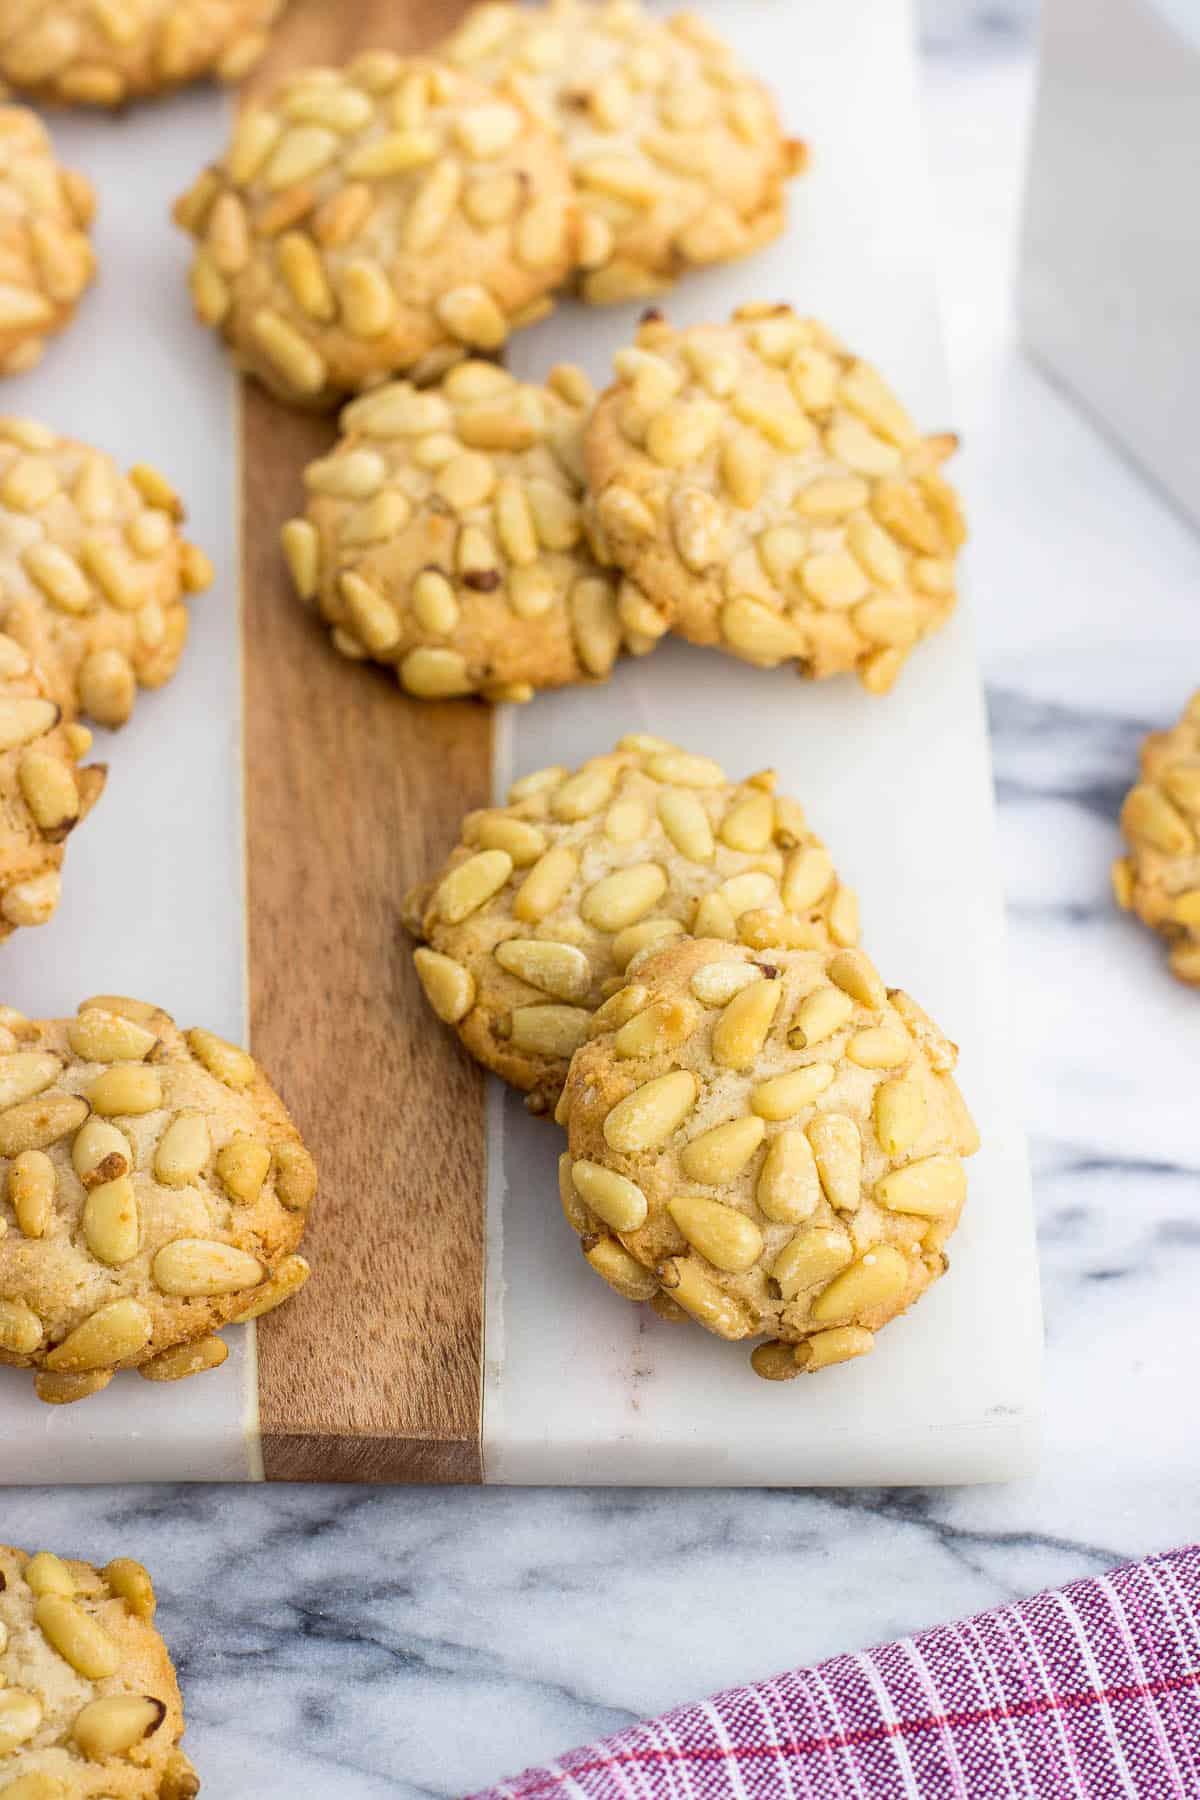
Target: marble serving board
451 1331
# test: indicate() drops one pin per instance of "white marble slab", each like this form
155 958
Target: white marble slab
579 1386
153 900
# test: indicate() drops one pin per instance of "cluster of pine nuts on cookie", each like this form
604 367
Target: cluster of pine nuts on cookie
154 1190
1159 876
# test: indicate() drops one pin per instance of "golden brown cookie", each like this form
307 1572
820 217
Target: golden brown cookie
46 260
93 569
444 537
677 153
89 1704
388 218
765 491
104 52
770 1141
43 792
1159 878
154 1190
539 913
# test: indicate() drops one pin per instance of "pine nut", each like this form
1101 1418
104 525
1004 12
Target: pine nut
932 1187
723 1236
585 793
622 898
112 1334
129 1581
287 1280
203 1267
649 1115
64 1390
20 1328
37 1123
760 634
99 1036
20 1717
112 1725
686 824
635 940
788 1187
557 969
25 1073
856 975
786 1095
448 986
681 769
741 1031
714 918
837 1148
31 1188
716 983
183 1150
472 883
182 1360
872 1284
435 674
77 1637
882 1047
689 1287
656 1030
128 1089
811 1258
524 843
224 1060
241 1167
899 1109
620 1202
549 1030
819 1015
46 1573
621 1270
545 885
721 1154
824 1348
749 823
624 1005
110 1222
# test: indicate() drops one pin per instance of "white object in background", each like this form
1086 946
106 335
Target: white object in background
1110 273
579 1385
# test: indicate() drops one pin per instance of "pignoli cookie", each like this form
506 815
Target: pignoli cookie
1159 877
677 154
46 258
105 52
764 491
544 908
43 792
388 218
154 1190
444 537
93 569
769 1142
89 1705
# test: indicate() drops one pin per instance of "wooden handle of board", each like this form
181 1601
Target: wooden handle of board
353 792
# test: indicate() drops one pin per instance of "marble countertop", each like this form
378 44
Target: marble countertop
352 1644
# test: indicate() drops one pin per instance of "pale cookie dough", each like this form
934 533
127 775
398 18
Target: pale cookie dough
1160 877
93 569
388 218
771 1142
104 52
154 1190
46 259
445 537
765 491
89 1704
43 792
547 902
677 153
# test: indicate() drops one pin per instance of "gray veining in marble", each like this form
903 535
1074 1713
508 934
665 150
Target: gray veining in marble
350 1645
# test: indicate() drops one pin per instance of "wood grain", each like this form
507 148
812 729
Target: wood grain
352 793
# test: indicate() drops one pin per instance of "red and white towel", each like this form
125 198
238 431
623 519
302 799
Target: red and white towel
1090 1692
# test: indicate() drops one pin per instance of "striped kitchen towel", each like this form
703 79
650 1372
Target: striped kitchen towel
1088 1691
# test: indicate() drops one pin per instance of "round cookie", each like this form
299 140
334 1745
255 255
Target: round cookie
46 260
104 52
539 913
444 537
154 1190
677 154
768 1142
43 793
766 492
388 218
1159 878
92 569
89 1705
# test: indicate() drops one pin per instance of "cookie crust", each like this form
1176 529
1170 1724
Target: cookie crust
1159 877
765 491
155 1189
46 258
388 218
89 1704
536 918
769 1142
677 153
444 537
